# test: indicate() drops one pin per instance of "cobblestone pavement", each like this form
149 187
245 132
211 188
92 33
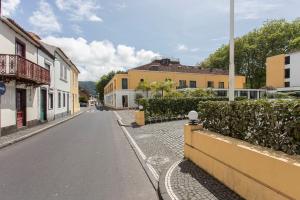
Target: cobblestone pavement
162 143
191 182
127 116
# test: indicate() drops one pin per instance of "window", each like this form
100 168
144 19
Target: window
124 83
221 85
20 48
182 84
287 60
61 71
50 97
65 73
193 84
59 100
210 84
286 84
64 100
47 66
287 73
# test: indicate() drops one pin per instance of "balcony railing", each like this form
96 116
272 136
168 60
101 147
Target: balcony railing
21 69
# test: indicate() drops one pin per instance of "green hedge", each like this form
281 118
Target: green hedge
272 124
171 108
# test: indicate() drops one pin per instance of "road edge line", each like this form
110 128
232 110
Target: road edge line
149 170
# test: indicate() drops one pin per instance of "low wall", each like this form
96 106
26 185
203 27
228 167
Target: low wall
140 118
253 172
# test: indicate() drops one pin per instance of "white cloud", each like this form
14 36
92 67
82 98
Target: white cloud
44 20
121 6
255 9
77 29
252 9
182 47
9 6
80 9
99 57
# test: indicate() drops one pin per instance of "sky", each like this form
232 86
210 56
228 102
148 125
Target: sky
104 35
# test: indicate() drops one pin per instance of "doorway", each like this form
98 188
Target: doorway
125 101
21 107
68 103
43 108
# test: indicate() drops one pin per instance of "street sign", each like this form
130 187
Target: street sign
2 88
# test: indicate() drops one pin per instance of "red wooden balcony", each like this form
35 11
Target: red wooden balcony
14 67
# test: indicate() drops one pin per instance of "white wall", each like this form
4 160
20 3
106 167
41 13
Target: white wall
8 105
8 40
43 58
62 86
294 69
116 102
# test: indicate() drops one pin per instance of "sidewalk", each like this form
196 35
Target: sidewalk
162 144
26 133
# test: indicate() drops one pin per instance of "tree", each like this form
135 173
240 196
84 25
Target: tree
145 87
102 83
158 88
251 50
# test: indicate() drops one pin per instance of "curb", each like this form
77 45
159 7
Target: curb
164 188
141 157
39 131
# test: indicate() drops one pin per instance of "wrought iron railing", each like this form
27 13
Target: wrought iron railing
23 69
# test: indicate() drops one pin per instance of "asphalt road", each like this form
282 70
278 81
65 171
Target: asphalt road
87 158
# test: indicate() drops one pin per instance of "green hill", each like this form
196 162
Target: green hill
90 86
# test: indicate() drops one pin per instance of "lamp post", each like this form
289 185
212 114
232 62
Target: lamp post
231 67
193 117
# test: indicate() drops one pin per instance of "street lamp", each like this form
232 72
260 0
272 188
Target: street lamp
141 107
193 117
231 67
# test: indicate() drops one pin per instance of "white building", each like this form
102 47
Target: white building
283 72
61 83
25 68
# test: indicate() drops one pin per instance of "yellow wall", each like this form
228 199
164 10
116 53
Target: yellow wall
75 91
135 76
275 71
252 172
115 83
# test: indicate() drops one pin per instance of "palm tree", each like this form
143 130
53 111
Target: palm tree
144 86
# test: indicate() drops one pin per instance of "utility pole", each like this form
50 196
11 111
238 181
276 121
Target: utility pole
231 67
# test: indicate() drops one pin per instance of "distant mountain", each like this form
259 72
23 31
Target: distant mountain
90 86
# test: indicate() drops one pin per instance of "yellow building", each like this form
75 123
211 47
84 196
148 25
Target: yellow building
74 90
282 72
120 91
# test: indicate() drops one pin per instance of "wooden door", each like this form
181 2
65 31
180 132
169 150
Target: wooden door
21 107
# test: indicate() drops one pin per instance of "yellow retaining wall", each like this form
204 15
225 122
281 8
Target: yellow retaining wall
140 118
253 172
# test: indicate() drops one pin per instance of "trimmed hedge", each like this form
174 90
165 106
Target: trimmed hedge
171 108
272 124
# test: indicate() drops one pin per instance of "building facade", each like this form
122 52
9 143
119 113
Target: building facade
282 72
74 89
62 101
37 77
25 69
120 92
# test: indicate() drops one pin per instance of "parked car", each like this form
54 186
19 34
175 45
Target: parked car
83 104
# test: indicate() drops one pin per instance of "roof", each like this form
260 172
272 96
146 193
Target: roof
18 29
52 49
166 65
